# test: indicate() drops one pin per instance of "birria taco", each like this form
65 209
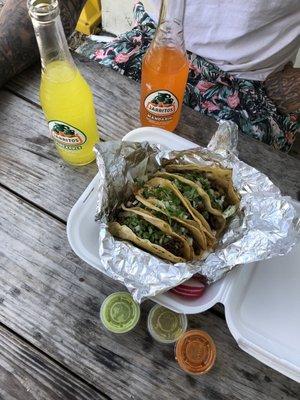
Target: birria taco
161 195
215 181
198 201
151 234
186 229
180 213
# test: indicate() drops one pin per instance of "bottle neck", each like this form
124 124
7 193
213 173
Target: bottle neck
170 26
49 33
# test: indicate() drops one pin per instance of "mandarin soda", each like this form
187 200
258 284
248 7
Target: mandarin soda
66 98
165 70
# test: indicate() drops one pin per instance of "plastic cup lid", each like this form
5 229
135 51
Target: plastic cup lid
195 352
119 312
165 325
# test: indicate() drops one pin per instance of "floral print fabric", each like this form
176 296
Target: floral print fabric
209 90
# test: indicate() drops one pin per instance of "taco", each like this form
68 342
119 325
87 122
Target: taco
215 181
179 214
185 229
151 234
199 202
161 195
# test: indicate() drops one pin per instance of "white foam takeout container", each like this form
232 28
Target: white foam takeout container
262 300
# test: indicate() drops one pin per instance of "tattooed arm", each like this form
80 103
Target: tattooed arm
18 48
283 87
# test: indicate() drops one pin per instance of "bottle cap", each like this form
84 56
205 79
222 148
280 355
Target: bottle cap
119 312
195 352
165 325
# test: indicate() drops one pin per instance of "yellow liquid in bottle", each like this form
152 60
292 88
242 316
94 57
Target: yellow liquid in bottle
67 102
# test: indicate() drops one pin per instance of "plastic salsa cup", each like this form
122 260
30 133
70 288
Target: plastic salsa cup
119 313
165 325
195 352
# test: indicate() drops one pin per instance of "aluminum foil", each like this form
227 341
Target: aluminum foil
262 228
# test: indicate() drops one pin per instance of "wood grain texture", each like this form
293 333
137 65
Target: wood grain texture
27 374
117 103
52 299
29 163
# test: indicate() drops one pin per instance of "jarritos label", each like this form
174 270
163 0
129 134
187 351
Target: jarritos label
161 105
66 136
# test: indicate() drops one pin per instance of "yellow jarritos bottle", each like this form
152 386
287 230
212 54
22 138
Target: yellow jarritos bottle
66 98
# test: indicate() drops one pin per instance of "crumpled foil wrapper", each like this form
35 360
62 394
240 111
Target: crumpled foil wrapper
263 227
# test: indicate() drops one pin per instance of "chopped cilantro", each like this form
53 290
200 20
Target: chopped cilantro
168 201
144 230
190 193
216 196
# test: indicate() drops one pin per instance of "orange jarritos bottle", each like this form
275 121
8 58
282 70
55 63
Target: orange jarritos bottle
165 70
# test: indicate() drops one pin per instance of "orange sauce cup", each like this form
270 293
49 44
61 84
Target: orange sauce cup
195 352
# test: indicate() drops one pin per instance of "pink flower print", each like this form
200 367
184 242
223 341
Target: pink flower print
109 49
137 39
203 86
290 137
209 106
294 117
123 57
195 69
99 54
233 100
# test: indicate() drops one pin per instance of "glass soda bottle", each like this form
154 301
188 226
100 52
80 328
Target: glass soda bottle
66 98
165 70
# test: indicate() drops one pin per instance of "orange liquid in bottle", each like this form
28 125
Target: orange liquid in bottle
164 77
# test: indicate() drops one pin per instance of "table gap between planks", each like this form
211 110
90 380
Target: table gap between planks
52 344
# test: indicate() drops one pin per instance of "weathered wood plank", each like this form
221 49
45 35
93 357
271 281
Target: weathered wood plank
117 105
27 374
29 163
30 166
32 169
116 100
52 299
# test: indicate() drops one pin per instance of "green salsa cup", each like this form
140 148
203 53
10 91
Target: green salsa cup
119 313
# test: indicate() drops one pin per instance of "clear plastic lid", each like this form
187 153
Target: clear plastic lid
166 326
195 352
119 312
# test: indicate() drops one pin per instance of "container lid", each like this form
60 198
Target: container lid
195 352
166 326
119 312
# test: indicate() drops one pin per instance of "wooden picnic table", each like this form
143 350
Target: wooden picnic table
52 344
